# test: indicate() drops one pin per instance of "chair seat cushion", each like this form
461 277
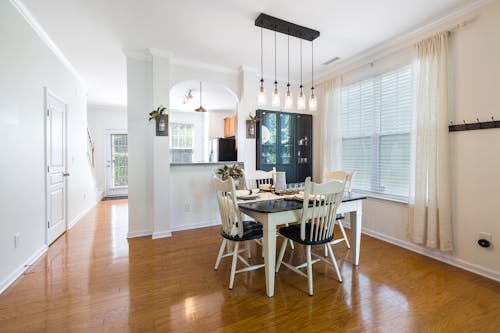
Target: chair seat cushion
251 230
293 232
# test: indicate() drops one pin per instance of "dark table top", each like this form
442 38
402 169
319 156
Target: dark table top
282 205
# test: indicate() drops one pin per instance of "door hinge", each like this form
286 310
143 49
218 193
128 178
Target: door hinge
48 168
48 112
48 224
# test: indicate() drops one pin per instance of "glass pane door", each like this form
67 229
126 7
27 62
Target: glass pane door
119 158
268 130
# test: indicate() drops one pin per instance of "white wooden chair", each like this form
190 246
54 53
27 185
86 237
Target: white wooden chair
316 226
234 230
347 179
261 177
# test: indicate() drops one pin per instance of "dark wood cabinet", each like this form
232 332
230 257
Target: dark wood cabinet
284 141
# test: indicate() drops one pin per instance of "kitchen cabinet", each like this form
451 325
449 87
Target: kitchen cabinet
230 125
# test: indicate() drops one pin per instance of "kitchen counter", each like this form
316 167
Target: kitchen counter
229 163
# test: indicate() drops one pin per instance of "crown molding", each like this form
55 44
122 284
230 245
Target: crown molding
30 19
161 53
401 41
202 65
141 55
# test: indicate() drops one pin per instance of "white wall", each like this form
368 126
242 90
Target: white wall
216 122
475 157
27 66
102 118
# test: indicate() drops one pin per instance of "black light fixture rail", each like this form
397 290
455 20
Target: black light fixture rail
275 24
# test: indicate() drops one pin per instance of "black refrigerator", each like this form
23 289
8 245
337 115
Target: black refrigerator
227 149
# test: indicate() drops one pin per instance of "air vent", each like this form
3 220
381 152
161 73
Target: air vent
326 63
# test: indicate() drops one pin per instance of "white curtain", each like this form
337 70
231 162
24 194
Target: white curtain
331 134
430 202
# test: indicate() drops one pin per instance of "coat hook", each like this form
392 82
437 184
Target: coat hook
464 122
451 123
478 120
492 119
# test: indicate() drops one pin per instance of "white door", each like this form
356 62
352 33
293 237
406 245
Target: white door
116 163
55 113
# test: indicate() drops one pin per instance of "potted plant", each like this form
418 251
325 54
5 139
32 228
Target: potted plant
160 115
251 126
233 171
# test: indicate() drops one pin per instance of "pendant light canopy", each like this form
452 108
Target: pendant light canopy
261 97
200 109
313 105
276 101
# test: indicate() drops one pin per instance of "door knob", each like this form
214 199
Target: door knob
65 174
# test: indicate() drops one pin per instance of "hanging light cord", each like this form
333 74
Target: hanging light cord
312 64
275 81
288 59
301 62
261 56
200 96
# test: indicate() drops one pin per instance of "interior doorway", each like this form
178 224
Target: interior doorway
116 163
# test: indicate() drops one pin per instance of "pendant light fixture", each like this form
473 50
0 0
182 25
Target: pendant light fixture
261 97
276 94
200 109
301 100
313 103
288 94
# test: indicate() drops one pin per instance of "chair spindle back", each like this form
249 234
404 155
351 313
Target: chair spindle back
228 206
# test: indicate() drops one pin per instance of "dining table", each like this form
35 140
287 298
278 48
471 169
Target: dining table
273 210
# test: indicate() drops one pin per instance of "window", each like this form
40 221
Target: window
376 123
181 143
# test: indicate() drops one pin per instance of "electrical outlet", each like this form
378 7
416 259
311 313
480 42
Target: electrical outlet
187 208
485 235
16 240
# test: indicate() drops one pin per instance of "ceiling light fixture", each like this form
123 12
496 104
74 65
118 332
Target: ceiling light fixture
261 98
288 94
200 109
294 30
276 93
313 105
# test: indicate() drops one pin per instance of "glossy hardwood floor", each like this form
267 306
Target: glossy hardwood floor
95 280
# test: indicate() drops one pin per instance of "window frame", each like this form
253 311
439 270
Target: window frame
377 133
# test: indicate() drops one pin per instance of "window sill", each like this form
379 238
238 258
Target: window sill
378 196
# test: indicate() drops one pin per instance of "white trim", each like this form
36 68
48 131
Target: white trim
84 212
446 258
139 233
30 19
399 42
141 55
161 53
161 234
21 269
204 224
202 65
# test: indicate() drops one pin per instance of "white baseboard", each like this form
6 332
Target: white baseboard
204 224
161 234
446 258
77 218
18 272
139 233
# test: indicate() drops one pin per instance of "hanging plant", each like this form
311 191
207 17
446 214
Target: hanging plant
159 111
253 119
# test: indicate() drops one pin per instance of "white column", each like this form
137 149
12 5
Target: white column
161 147
140 145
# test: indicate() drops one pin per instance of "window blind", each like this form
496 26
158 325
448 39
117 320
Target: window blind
376 123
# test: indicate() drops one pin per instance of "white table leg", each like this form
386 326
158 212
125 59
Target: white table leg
269 255
356 224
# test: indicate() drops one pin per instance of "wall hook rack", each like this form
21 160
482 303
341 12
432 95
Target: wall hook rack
479 125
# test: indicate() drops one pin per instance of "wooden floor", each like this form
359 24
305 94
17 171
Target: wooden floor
95 280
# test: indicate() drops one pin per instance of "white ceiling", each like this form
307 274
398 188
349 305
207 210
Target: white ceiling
214 96
93 33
